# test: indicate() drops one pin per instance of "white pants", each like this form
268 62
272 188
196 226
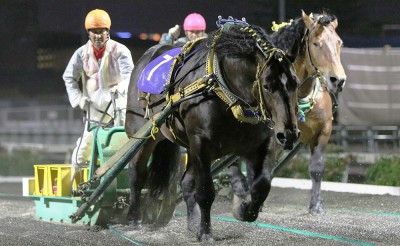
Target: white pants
81 154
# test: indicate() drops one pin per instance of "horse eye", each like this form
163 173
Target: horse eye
316 44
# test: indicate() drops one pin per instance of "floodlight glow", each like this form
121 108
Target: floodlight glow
123 34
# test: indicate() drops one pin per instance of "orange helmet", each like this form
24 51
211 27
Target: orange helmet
97 18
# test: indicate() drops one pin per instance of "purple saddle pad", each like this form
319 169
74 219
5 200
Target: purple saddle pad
155 75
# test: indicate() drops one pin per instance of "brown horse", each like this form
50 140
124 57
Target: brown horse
314 46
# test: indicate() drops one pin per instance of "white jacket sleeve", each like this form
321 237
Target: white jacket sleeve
125 66
71 78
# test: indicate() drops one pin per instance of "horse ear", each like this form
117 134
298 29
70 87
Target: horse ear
307 20
335 23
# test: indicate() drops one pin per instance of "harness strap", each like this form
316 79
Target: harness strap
248 114
221 88
190 89
252 115
186 49
307 103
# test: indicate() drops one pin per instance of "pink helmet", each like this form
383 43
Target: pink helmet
194 22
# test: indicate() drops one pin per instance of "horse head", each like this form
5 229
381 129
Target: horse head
256 64
323 45
280 84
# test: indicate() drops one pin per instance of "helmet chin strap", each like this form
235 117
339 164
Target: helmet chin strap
108 38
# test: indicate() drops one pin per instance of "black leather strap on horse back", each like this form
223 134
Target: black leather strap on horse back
188 50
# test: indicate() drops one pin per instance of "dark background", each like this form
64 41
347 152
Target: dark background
39 36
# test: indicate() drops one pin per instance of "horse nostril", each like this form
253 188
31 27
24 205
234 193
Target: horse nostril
333 80
281 137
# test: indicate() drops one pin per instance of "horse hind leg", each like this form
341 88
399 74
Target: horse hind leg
163 180
247 208
163 166
240 188
316 171
239 184
137 172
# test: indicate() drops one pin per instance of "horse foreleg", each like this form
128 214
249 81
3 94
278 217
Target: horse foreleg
189 193
205 195
316 171
245 209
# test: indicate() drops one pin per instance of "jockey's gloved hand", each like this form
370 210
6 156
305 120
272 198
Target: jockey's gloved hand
84 103
174 32
114 89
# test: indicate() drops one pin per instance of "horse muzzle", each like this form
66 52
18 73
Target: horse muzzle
337 83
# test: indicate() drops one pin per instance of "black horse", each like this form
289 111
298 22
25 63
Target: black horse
234 94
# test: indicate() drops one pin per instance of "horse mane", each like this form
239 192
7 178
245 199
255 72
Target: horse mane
325 18
238 42
289 38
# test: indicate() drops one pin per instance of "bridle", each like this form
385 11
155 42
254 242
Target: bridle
317 74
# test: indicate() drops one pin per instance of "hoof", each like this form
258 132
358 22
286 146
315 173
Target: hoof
317 209
193 219
240 210
205 238
237 207
135 225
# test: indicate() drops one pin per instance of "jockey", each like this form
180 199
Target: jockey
194 27
104 66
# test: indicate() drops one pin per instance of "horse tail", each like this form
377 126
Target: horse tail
163 168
